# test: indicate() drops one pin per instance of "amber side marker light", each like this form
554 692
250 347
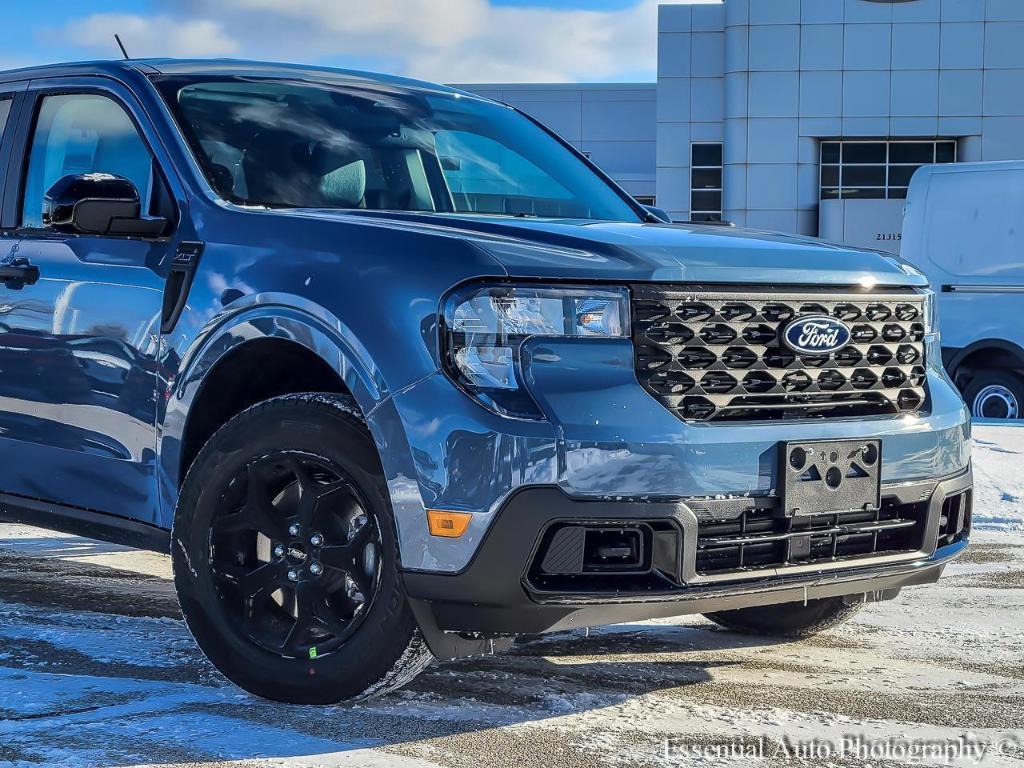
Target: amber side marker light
450 525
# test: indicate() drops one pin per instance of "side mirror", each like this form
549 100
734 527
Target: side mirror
658 213
98 204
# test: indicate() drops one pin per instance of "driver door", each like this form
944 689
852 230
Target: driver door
79 343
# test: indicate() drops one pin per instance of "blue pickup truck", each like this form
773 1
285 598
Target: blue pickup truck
394 373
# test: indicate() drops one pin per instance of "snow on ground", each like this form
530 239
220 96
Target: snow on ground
999 476
96 669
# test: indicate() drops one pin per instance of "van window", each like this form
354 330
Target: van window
83 133
973 223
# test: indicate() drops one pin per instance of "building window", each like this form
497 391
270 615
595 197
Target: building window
645 199
706 182
880 170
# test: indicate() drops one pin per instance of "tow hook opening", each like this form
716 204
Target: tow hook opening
613 549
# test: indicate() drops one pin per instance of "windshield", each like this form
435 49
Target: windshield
375 146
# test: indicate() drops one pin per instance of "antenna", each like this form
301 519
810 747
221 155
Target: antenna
120 45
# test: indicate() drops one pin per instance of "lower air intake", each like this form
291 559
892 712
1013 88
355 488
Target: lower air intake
762 538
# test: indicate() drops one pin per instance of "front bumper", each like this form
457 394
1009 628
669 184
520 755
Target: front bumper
498 592
604 437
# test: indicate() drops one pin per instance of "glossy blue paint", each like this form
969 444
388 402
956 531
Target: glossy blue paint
362 291
691 253
79 356
81 348
614 440
445 451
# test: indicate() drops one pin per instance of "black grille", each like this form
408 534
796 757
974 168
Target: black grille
718 355
761 538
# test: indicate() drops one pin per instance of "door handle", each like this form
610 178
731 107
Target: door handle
18 272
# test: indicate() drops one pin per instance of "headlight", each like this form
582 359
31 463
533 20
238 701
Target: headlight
931 312
485 327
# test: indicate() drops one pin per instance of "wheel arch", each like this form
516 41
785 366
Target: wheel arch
261 352
247 374
986 353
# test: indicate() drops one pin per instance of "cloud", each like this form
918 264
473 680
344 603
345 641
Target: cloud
444 40
168 35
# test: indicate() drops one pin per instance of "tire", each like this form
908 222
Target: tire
789 620
994 393
314 614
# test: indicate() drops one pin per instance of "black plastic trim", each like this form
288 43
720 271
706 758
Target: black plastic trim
84 522
179 283
492 597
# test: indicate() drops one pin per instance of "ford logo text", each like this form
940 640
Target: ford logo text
817 335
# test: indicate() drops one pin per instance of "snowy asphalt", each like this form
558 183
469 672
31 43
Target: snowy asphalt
96 669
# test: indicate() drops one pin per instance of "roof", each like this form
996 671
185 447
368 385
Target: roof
602 86
225 67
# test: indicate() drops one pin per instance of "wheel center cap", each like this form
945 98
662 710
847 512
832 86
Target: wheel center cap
296 553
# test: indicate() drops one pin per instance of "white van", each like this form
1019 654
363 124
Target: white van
964 227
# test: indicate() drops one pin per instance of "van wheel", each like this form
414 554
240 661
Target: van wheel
789 620
995 394
285 556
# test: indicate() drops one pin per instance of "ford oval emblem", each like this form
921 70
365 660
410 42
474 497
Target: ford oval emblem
817 335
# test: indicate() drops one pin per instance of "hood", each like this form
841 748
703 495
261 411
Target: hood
634 252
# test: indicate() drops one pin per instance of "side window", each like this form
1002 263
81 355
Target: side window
83 133
5 111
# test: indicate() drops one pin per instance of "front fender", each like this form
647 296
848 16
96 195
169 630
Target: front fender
186 365
283 316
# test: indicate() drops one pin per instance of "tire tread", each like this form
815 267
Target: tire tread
409 660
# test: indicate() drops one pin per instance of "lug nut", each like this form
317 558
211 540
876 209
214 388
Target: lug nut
293 575
316 569
293 529
316 540
279 551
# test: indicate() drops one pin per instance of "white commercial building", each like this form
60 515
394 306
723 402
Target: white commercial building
804 116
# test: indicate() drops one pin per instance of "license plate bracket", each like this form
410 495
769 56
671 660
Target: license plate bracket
822 476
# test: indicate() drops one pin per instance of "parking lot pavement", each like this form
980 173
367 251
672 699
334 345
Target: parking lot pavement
97 669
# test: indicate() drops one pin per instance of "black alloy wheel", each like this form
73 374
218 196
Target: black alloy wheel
295 554
286 558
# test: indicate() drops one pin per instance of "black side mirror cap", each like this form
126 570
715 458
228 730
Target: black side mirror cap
98 204
658 213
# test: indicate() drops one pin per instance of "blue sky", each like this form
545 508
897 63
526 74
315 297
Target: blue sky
31 37
448 40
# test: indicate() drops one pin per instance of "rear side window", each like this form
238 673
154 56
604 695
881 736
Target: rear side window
5 111
83 133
